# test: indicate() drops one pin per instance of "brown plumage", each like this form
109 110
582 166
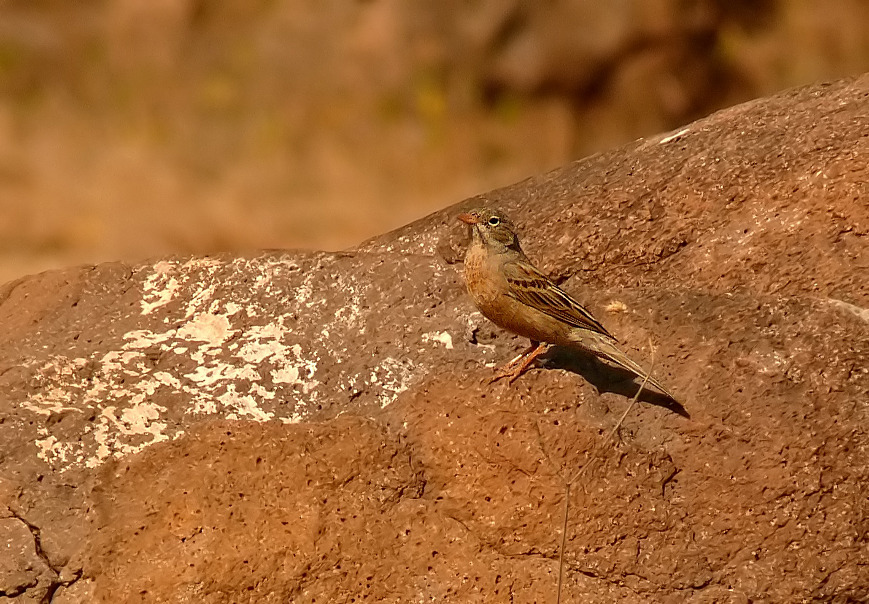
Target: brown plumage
513 294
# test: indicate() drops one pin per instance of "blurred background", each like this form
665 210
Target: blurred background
136 128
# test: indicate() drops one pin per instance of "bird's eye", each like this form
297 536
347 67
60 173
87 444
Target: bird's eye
494 221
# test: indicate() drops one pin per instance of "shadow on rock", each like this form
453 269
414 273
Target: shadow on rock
607 378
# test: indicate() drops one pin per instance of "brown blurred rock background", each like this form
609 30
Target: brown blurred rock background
135 128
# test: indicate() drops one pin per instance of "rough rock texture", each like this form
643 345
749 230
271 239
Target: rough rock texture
312 427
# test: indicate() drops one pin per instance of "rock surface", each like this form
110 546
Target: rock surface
313 427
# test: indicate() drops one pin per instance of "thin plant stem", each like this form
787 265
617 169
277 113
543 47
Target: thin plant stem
581 471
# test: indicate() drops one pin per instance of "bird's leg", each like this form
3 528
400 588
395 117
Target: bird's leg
517 366
521 357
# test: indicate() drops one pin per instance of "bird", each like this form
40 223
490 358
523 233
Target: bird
512 293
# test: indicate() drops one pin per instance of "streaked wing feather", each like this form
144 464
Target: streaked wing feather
531 287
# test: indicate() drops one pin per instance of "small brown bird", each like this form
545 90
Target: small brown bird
513 294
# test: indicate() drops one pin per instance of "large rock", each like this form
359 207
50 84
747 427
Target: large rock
301 426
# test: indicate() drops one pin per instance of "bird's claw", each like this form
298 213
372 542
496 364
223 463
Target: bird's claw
505 373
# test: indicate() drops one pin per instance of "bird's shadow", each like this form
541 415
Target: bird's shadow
607 378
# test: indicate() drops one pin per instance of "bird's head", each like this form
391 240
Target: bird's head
491 228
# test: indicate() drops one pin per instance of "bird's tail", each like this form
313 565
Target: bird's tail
610 352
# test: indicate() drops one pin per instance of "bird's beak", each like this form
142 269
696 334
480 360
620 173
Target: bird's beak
468 218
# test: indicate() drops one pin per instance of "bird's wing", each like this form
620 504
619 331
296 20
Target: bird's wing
531 287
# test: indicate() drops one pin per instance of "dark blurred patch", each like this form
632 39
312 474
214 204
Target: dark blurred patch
133 129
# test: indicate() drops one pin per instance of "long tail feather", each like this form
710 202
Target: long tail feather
610 352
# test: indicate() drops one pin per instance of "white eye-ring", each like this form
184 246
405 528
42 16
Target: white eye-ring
494 221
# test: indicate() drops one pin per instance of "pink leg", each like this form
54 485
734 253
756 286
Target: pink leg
517 366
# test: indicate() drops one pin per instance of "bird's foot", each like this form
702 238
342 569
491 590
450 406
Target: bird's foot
519 365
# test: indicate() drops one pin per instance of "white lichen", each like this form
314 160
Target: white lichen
203 353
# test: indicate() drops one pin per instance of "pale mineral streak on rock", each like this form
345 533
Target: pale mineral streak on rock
160 288
237 370
55 453
394 377
243 406
675 135
442 337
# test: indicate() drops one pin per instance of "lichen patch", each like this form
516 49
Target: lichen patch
239 339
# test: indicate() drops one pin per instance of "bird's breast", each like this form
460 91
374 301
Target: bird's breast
491 293
485 284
